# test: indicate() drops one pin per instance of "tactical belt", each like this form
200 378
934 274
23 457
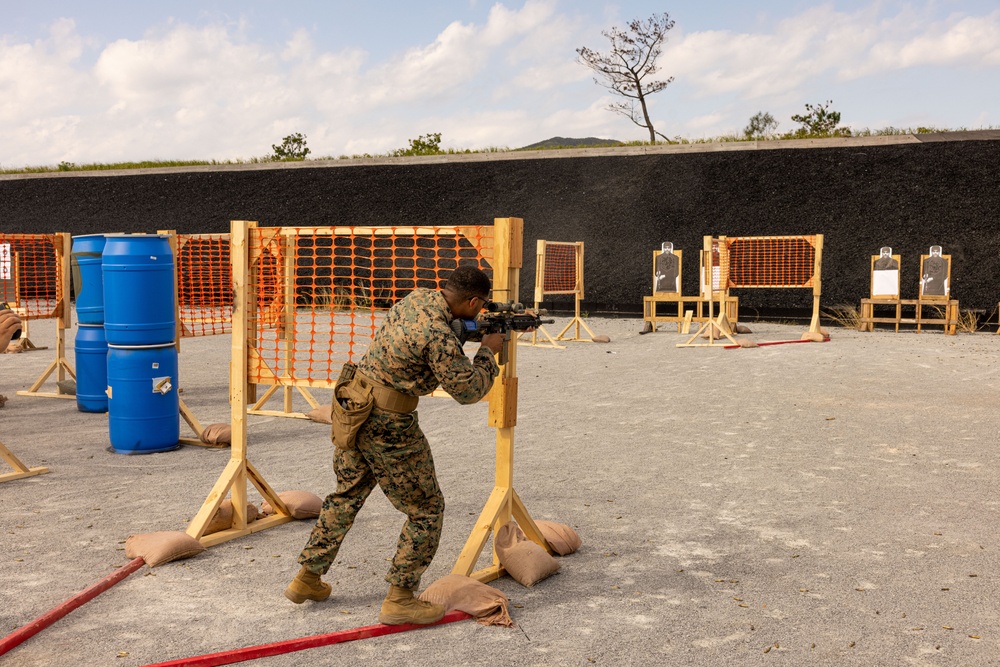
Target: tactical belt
387 398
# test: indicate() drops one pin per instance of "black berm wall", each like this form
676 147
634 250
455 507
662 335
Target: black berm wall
622 206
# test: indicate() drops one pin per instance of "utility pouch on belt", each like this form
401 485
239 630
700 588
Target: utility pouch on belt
352 403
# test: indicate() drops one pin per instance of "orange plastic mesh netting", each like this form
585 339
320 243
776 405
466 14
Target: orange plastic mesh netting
559 268
318 295
771 261
204 284
31 274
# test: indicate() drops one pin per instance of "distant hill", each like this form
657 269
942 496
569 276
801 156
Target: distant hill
565 142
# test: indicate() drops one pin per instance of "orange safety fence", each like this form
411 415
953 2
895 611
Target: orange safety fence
771 261
31 274
204 285
559 270
318 295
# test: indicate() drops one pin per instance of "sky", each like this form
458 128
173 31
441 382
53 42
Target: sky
107 81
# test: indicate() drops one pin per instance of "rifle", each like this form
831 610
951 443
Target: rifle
501 318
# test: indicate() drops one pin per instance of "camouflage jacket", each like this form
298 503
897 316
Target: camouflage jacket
415 350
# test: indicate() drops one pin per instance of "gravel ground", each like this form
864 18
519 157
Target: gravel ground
819 503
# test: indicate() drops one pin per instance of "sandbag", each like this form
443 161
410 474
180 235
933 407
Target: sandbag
223 518
484 603
301 504
561 537
217 434
162 547
525 561
321 414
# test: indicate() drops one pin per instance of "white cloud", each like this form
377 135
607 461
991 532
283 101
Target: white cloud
210 91
966 41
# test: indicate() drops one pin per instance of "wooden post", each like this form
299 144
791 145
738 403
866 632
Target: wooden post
817 284
503 503
239 470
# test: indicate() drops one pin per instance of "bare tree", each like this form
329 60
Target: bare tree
625 68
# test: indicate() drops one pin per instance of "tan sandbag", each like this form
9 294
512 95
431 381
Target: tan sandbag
223 518
484 603
744 342
561 537
524 560
601 339
813 336
741 329
162 547
217 434
301 504
321 414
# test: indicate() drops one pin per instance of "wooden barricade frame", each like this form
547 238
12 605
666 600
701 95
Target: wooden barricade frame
756 278
501 247
20 470
60 365
577 290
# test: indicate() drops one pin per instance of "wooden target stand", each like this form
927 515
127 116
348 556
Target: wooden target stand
20 470
503 503
60 366
577 322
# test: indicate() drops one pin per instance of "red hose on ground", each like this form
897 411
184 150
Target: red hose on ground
775 342
290 645
45 620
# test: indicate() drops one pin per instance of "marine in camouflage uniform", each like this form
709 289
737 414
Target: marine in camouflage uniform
413 352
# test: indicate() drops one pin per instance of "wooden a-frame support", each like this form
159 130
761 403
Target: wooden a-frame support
60 365
20 470
503 503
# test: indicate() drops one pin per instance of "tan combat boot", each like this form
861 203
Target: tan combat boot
401 607
307 586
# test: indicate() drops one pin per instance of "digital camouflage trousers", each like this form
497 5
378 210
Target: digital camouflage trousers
392 452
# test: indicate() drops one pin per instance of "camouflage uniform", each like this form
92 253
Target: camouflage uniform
413 352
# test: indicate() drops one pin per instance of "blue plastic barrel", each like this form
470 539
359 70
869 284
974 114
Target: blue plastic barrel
91 368
143 408
88 285
138 289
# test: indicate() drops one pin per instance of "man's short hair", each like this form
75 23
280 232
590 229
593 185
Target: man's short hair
469 281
